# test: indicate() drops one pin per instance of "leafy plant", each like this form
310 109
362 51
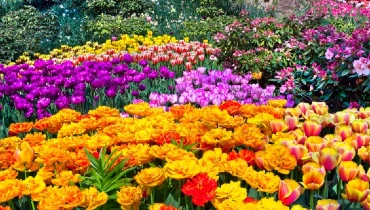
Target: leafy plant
106 26
9 5
26 29
105 173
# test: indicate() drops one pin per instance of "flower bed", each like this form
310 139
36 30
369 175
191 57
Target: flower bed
230 156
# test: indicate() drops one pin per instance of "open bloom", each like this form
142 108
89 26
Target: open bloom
289 191
150 177
313 180
278 125
357 190
201 188
129 196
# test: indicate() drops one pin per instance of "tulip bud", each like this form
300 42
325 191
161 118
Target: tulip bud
359 126
347 170
278 125
329 158
315 143
304 107
343 131
24 154
292 122
343 118
320 108
327 204
289 191
311 128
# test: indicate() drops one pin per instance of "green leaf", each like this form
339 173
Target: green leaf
345 72
172 199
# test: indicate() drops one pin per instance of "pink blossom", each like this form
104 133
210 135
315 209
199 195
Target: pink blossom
329 54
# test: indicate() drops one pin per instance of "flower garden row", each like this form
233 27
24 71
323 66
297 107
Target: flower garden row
231 156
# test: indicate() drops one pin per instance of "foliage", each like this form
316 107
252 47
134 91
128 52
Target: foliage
114 7
9 5
205 29
26 30
214 8
106 26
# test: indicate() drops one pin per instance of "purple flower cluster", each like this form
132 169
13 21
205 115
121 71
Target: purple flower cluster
214 87
46 85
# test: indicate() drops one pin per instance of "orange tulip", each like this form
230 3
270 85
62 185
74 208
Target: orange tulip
327 204
24 154
278 125
347 151
289 191
329 158
311 128
364 153
359 126
347 170
343 131
313 180
291 122
357 190
320 108
315 143
343 118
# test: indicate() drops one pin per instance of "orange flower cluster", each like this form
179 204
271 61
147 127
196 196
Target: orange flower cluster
254 144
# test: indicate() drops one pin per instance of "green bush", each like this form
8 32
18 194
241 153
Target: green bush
205 29
214 8
26 30
124 8
9 5
106 26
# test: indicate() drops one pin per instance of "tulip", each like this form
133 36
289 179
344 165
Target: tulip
364 153
313 166
315 143
299 136
278 125
327 204
359 126
313 180
329 158
304 107
311 128
362 174
360 140
299 151
289 191
343 131
357 190
331 138
293 112
364 113
343 118
24 154
366 203
320 108
347 151
347 170
292 122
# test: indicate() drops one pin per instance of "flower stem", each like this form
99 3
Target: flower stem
11 204
180 186
32 204
152 197
339 186
326 187
355 205
311 199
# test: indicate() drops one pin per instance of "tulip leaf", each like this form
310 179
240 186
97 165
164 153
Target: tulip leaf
253 193
172 199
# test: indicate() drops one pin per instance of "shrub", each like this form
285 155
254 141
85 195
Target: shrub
26 30
114 7
9 5
106 26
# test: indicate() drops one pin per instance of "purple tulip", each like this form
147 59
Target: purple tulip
143 63
111 92
147 70
96 98
43 103
142 87
127 58
77 99
135 93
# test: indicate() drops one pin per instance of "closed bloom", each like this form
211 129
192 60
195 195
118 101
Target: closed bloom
289 191
357 190
347 170
313 180
311 128
182 169
327 204
291 122
313 166
329 158
278 125
347 151
359 126
150 177
343 131
129 196
320 108
315 143
343 118
304 107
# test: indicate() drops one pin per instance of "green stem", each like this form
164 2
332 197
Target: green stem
326 187
32 204
339 188
180 186
311 199
198 207
355 205
11 204
187 201
152 196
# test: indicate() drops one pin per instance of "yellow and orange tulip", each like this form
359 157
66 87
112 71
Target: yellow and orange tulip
289 191
311 128
347 170
357 190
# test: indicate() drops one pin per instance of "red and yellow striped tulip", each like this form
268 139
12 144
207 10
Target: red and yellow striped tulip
329 158
357 190
359 126
343 118
348 170
278 125
320 108
327 204
311 128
